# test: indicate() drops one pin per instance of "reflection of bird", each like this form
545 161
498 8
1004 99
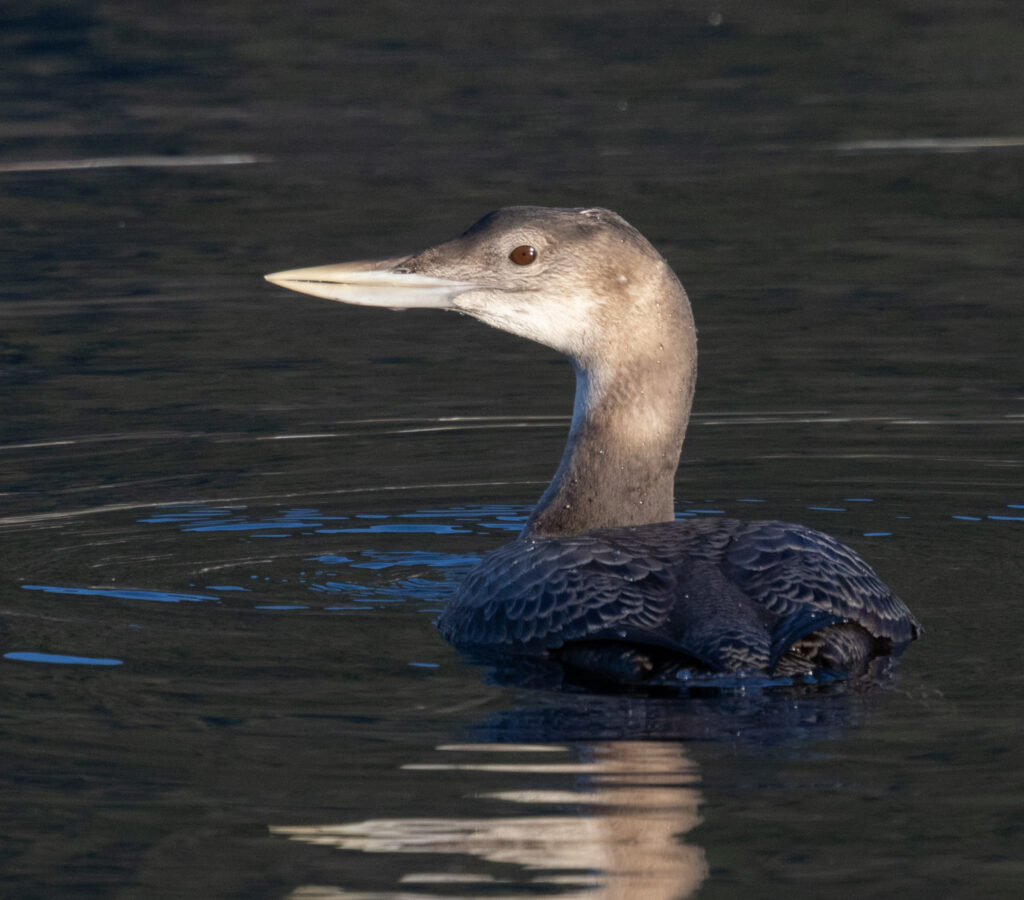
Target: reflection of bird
602 578
608 827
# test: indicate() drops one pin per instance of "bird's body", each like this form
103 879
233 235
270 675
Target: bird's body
603 579
705 595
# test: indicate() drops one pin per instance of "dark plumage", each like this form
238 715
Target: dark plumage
602 579
708 595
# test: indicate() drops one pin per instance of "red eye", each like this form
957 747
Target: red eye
523 255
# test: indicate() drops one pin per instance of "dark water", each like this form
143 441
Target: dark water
229 514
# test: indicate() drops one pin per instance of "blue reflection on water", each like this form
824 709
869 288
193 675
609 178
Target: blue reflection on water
219 519
157 596
253 526
398 528
284 523
62 660
381 560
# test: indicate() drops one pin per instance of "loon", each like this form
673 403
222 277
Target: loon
603 579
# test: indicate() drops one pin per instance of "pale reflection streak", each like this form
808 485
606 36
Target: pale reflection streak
616 834
929 145
134 162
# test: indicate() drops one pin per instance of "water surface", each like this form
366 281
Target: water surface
230 514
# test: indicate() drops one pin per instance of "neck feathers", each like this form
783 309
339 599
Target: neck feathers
629 421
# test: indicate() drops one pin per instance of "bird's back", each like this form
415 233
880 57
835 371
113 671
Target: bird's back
703 595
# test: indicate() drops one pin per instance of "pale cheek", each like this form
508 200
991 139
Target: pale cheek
560 325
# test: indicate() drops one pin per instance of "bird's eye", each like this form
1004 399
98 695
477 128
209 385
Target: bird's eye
523 255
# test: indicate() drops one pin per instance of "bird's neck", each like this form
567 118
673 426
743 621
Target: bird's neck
628 424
